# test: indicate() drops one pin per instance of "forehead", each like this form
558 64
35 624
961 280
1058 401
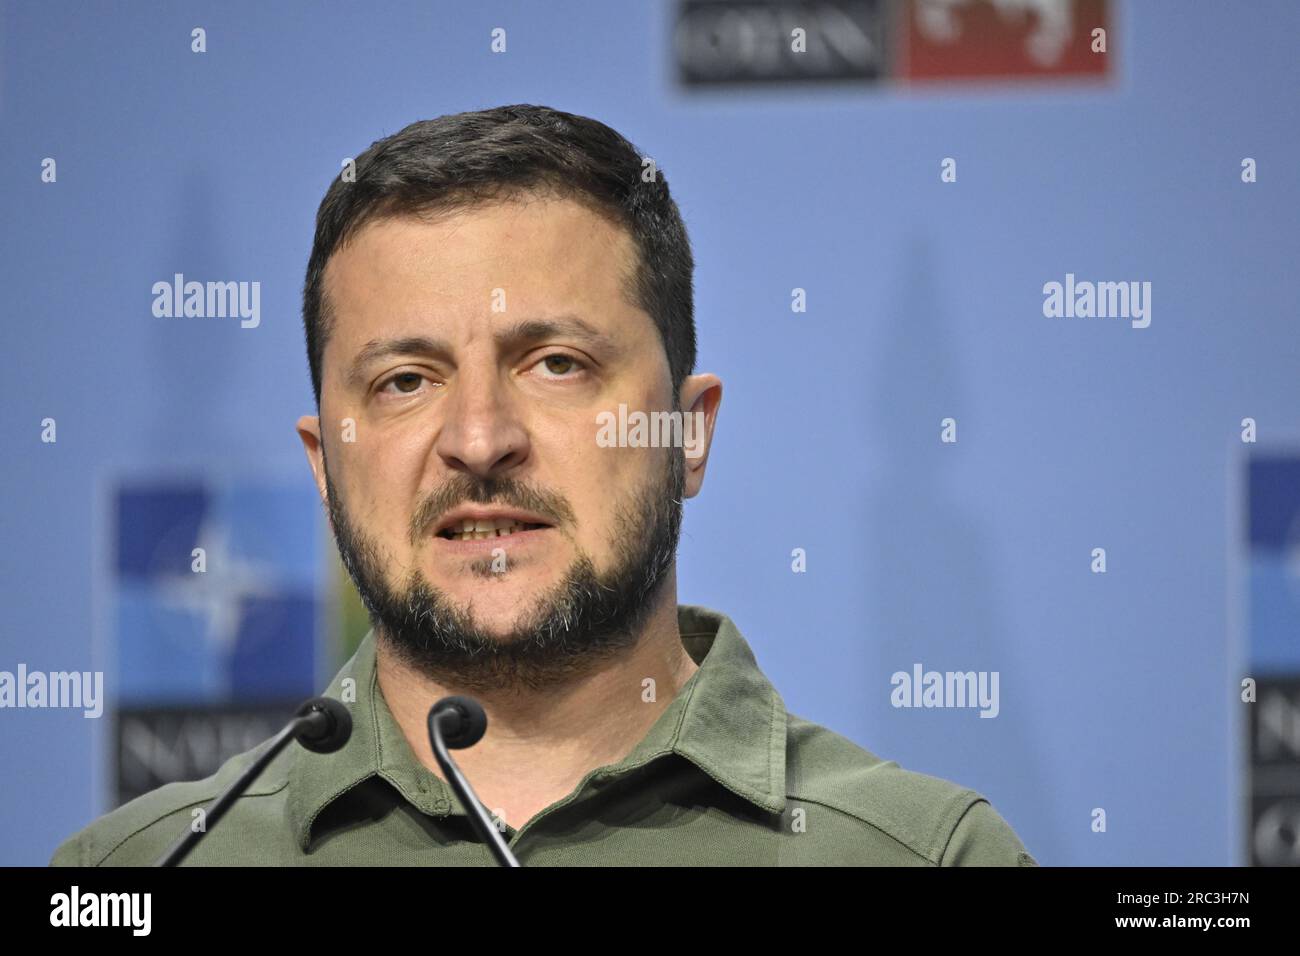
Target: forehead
536 254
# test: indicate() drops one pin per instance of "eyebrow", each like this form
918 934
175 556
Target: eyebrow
513 336
377 349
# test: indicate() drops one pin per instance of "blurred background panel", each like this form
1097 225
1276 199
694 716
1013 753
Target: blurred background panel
215 626
918 171
1272 569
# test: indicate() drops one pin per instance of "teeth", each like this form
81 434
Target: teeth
479 529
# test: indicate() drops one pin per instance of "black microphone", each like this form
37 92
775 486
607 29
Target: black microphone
322 725
454 724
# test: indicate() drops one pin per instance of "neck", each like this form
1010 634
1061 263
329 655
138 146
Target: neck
541 743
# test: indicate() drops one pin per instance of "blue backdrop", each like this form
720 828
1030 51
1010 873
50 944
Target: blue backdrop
1118 690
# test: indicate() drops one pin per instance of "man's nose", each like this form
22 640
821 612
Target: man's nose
481 432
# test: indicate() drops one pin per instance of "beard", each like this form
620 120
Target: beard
588 617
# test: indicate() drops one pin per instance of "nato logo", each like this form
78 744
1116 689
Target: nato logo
216 592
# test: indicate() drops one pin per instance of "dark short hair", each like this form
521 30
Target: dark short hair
457 161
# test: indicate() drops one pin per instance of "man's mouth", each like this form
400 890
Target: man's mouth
480 529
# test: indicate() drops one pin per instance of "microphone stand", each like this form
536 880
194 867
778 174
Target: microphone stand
321 725
463 722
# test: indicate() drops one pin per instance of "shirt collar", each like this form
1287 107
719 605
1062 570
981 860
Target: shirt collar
727 719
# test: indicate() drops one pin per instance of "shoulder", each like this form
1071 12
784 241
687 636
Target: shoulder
139 832
936 821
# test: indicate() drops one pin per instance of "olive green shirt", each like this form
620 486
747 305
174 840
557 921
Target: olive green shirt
725 776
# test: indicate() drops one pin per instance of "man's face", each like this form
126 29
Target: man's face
470 357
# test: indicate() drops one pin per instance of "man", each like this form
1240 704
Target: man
485 291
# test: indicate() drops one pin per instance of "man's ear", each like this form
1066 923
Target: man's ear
309 432
699 398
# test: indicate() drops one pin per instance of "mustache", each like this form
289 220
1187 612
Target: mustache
487 491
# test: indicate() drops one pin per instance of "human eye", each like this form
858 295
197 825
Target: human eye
559 366
407 383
